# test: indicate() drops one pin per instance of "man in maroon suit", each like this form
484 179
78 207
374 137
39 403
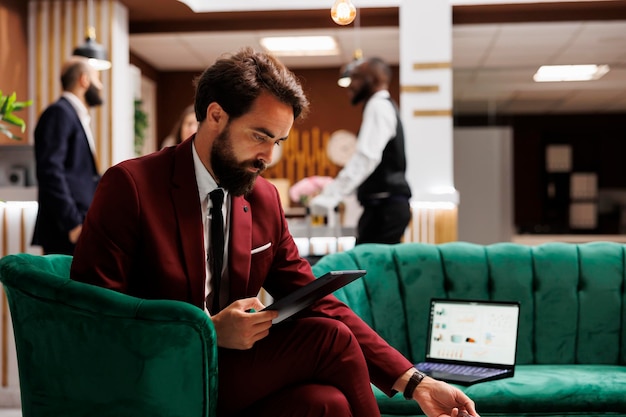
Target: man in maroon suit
147 234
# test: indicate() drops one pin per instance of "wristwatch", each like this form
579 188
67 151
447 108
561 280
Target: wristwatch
414 381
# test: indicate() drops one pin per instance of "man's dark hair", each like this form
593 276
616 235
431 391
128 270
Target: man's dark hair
71 72
381 69
234 81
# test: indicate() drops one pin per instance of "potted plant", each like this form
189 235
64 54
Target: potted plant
8 105
141 124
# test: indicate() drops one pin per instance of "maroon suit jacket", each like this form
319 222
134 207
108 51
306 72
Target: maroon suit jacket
143 236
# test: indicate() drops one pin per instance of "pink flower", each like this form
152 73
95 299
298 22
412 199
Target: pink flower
307 188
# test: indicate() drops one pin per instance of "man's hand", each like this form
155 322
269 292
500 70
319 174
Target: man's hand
323 205
75 233
437 398
237 328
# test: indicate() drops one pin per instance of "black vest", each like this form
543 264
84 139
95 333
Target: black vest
388 179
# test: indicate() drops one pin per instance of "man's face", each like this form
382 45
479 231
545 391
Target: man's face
241 152
360 85
93 95
235 176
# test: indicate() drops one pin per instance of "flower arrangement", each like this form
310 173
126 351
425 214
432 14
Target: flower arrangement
8 105
307 188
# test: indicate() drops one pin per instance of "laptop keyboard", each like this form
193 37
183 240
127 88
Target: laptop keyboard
459 369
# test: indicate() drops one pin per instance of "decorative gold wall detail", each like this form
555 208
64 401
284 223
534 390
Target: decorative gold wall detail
303 155
418 66
427 113
419 89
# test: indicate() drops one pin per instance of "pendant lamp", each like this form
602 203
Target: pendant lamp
344 72
357 56
91 49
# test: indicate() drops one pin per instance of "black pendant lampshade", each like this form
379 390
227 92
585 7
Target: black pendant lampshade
94 51
344 72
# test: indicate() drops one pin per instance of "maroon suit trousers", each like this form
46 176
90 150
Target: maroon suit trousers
310 367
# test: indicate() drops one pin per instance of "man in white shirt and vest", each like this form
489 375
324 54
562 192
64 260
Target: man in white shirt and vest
377 169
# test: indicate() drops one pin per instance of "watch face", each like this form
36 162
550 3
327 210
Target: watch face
341 146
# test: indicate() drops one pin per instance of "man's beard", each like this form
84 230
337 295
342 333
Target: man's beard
232 174
360 95
92 96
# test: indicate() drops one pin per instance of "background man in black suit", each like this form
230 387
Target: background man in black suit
67 174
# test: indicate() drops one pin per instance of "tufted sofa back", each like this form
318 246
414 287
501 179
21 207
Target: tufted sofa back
572 296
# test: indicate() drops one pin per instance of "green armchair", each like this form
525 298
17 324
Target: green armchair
84 350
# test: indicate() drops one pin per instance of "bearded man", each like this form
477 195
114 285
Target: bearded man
67 174
377 169
147 235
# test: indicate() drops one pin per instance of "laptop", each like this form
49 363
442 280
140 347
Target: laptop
471 341
303 297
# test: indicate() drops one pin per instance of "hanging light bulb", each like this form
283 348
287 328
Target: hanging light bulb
343 12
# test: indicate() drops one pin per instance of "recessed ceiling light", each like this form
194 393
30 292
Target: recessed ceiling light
301 45
552 73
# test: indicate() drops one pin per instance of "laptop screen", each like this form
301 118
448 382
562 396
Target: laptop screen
473 331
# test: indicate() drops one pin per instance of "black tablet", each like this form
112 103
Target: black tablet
310 293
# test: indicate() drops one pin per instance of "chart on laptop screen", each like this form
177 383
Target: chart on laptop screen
473 332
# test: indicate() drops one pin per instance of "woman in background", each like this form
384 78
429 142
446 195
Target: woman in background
186 126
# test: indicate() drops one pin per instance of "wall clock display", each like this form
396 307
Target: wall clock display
341 146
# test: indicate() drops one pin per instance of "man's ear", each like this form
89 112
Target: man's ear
216 115
84 80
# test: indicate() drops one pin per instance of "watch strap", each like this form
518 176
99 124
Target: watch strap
414 381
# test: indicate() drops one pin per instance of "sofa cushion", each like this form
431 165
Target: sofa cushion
540 389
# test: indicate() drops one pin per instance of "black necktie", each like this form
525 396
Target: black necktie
217 246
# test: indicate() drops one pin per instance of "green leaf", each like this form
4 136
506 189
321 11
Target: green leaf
5 105
8 105
19 105
14 120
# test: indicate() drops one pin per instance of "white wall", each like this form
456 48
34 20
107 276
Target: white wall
483 176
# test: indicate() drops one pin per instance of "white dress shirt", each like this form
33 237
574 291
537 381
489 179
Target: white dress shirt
83 116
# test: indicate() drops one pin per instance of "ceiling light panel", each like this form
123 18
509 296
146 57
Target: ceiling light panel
556 73
301 45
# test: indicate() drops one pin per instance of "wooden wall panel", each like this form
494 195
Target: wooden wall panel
14 59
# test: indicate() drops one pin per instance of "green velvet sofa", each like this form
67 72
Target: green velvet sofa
571 356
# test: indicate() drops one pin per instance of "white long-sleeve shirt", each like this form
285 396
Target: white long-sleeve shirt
377 129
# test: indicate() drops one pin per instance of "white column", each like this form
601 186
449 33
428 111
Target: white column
426 110
426 98
122 111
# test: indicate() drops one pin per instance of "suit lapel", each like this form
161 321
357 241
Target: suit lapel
189 216
240 245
